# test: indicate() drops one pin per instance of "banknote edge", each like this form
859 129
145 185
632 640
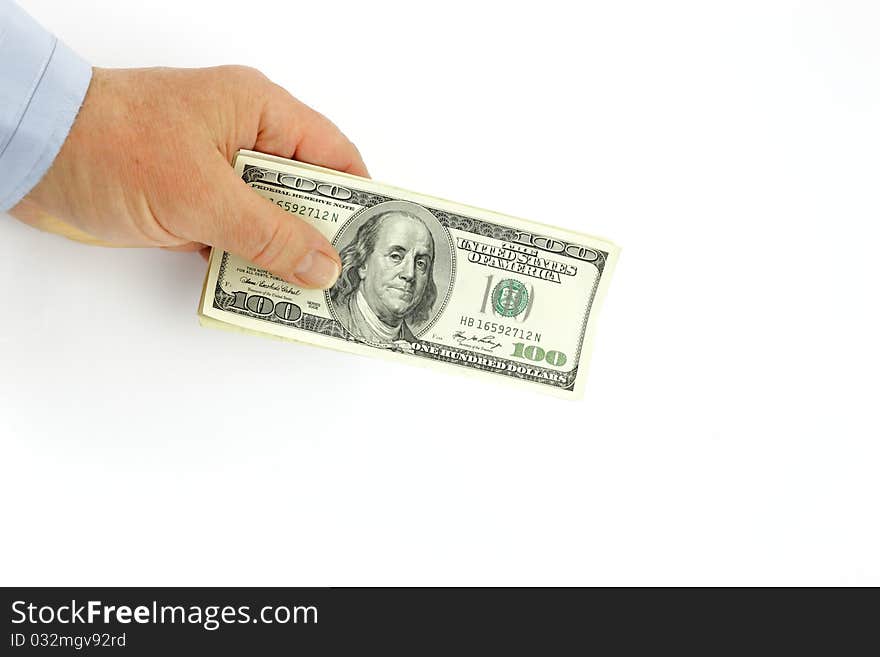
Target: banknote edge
612 246
213 323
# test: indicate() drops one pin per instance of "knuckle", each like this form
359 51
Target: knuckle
244 74
282 93
247 71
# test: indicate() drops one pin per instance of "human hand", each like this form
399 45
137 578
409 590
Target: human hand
147 163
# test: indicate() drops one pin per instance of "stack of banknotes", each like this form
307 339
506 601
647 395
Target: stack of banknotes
427 281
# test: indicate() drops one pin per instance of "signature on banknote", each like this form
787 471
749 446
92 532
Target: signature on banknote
485 343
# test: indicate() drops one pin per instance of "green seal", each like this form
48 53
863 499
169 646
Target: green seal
510 297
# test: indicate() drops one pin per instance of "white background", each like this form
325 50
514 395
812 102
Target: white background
729 432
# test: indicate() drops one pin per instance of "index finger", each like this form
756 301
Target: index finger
316 139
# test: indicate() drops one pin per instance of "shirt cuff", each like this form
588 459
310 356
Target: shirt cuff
42 86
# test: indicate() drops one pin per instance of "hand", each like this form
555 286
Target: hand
147 163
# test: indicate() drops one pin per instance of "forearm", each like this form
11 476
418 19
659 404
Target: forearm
42 86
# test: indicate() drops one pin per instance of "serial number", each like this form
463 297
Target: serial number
500 329
305 210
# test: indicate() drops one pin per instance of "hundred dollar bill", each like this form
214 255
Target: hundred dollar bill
423 280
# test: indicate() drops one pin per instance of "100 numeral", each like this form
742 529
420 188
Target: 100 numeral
535 353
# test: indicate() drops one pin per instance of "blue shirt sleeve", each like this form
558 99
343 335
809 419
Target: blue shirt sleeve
42 86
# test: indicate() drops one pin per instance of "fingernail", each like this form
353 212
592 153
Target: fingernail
317 269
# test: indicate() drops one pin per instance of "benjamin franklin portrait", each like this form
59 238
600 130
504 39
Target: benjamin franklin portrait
396 272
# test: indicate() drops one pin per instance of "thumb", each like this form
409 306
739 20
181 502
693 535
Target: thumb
253 227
